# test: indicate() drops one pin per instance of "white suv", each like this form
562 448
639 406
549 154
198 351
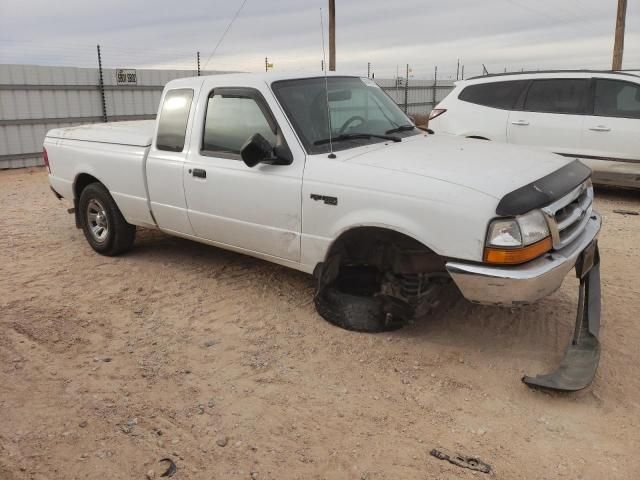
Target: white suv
590 115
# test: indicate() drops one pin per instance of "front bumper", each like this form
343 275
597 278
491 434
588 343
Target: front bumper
521 284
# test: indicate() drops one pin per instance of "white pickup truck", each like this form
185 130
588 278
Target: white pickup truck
329 176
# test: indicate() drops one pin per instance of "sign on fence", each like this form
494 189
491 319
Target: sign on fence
126 76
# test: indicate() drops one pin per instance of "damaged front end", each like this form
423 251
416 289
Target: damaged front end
574 228
580 362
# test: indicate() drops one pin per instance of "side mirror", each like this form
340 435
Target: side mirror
256 150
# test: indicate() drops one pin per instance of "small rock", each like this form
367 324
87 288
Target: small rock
222 441
406 381
133 422
211 403
209 343
481 431
151 474
254 475
83 424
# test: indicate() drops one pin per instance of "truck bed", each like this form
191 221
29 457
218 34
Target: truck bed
114 152
136 133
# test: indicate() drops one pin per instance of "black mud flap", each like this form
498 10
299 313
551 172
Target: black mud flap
580 362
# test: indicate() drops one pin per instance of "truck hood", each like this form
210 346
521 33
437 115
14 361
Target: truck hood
491 168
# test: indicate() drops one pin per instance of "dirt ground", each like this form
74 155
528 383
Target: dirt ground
108 365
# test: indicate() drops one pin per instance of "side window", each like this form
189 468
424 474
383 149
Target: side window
558 96
502 95
172 124
230 121
617 99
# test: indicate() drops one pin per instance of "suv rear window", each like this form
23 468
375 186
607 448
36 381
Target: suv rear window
172 125
495 94
567 95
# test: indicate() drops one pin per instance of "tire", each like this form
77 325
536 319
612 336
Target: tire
103 225
358 313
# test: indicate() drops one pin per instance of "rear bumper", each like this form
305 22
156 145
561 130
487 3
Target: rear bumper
521 284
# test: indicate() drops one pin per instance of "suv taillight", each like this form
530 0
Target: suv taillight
45 158
436 112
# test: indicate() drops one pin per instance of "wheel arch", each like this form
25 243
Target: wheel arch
81 181
366 237
478 137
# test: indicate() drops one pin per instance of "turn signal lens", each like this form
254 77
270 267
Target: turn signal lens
514 256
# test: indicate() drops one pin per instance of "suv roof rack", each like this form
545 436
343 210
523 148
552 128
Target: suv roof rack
630 72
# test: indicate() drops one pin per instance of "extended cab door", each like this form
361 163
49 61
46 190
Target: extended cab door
550 115
255 209
165 162
611 136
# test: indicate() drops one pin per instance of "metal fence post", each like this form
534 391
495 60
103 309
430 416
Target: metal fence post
101 85
406 90
198 63
435 85
368 69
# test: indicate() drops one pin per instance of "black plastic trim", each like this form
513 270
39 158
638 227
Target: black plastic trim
544 191
58 196
596 157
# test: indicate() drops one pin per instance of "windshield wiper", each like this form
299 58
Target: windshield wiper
350 136
401 128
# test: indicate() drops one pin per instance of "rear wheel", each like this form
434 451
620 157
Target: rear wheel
103 225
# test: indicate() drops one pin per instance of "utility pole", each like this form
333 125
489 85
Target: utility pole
332 35
618 46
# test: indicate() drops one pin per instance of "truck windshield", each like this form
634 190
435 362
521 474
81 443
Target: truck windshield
361 113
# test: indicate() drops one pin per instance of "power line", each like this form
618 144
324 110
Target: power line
225 32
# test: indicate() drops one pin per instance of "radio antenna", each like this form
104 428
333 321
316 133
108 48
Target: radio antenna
326 88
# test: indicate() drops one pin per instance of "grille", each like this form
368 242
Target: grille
568 216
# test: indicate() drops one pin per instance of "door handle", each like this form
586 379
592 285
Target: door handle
198 172
523 123
600 128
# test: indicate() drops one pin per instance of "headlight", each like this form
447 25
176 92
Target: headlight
517 240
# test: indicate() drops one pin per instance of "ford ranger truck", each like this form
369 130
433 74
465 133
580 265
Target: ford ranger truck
330 177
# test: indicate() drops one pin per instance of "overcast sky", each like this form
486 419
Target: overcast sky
510 34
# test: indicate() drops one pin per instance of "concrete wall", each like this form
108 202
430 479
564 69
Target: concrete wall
35 99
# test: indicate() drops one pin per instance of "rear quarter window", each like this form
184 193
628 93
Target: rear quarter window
502 95
172 124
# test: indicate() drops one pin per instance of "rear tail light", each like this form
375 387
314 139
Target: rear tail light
45 158
436 112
